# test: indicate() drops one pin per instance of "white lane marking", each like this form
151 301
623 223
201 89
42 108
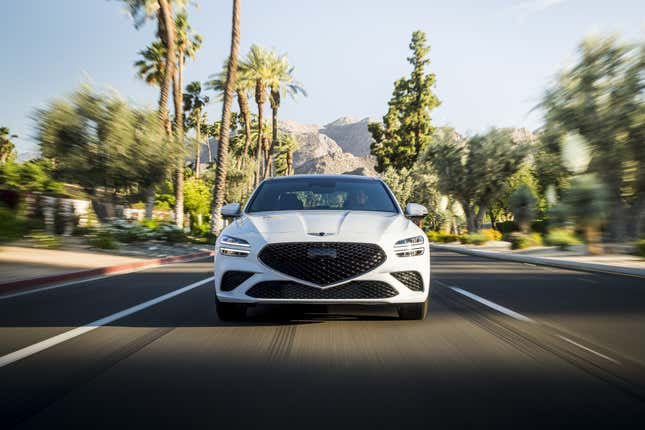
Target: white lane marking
52 341
587 280
483 301
95 278
566 339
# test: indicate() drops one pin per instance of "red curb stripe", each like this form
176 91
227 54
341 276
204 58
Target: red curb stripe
34 282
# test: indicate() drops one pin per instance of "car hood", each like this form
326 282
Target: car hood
355 226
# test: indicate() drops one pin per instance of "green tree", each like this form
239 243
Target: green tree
287 145
222 156
500 207
473 170
600 99
162 12
243 87
194 102
584 202
7 148
281 83
198 198
522 203
151 66
187 45
100 141
406 128
256 66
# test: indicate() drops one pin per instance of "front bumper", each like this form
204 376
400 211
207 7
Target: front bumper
262 273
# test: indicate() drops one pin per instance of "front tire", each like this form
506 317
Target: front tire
413 311
230 311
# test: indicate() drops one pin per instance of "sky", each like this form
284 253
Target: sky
492 58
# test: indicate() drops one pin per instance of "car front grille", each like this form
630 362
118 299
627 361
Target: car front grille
322 263
233 278
294 290
410 279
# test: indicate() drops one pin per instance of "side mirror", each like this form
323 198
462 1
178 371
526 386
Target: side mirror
231 210
415 210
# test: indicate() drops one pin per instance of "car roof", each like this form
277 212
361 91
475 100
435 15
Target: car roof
355 177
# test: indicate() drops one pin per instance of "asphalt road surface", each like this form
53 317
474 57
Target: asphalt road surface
504 345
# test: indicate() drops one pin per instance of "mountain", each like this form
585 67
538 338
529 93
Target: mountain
342 146
350 134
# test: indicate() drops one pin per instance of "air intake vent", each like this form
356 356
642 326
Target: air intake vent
322 263
232 279
294 290
411 279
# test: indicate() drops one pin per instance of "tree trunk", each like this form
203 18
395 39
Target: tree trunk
167 24
289 162
260 97
493 218
243 103
469 211
150 201
179 130
274 137
479 220
222 156
198 143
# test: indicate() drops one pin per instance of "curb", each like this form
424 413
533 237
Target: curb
542 261
89 273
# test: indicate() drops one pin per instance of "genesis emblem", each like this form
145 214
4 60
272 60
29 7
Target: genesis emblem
321 234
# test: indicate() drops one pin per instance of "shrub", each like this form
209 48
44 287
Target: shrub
447 238
171 233
640 248
522 241
129 232
12 226
103 239
507 226
152 224
492 234
201 230
562 238
473 238
537 239
82 231
42 239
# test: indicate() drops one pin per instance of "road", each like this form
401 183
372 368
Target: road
505 345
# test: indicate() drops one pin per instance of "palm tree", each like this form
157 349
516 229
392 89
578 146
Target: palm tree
281 82
285 148
222 155
151 67
7 147
257 67
243 86
161 10
194 102
187 45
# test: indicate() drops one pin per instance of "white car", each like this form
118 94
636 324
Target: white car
322 239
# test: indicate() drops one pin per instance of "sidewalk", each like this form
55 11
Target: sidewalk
24 267
551 256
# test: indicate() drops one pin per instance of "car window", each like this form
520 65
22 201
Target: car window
322 194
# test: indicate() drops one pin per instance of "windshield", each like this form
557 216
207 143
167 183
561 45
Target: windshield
322 194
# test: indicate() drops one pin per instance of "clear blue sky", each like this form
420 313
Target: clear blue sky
492 58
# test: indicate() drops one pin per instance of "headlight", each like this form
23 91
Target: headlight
233 241
233 246
410 247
